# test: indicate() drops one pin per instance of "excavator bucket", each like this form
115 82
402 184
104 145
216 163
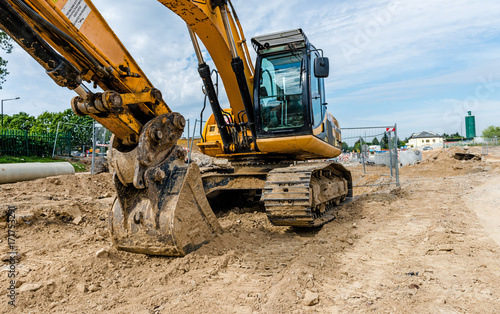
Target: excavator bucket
171 216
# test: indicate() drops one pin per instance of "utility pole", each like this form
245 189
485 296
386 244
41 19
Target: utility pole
7 100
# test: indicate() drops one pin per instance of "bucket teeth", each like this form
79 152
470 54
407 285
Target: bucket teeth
171 216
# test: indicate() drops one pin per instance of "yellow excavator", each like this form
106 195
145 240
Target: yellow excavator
277 121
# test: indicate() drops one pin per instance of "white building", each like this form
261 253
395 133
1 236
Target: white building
422 139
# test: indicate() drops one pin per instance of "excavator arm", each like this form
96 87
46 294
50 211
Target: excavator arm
86 49
161 206
71 38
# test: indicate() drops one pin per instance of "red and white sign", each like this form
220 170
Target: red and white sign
390 129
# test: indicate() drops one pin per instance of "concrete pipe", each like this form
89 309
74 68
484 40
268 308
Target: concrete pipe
10 173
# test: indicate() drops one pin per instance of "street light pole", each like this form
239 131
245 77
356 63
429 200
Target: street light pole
7 100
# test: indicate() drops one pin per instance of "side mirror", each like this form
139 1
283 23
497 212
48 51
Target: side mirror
321 67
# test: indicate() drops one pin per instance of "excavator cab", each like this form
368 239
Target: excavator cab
289 96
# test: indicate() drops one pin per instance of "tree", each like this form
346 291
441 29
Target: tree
400 143
375 141
345 147
6 121
384 142
357 147
491 131
5 45
455 135
81 132
21 121
45 123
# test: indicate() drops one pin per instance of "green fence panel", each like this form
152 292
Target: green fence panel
24 143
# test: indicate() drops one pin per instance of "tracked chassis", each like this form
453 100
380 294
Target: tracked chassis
304 195
301 195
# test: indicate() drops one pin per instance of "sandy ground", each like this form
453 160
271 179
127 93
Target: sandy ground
428 247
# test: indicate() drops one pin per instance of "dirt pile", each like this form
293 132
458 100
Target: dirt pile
449 162
420 248
77 198
207 161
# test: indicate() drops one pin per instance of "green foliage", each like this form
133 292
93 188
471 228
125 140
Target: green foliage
79 127
6 45
5 42
375 141
345 147
384 142
357 147
3 71
20 121
400 143
452 136
491 131
13 159
45 123
23 134
79 167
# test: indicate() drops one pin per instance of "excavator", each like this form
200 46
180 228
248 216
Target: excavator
276 125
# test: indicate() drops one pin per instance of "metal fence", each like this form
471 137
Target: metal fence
100 145
94 146
193 133
486 144
474 142
24 143
80 138
371 151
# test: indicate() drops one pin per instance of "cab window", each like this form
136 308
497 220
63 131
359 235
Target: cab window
317 94
280 91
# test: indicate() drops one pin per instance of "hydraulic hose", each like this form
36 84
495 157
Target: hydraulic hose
57 67
51 28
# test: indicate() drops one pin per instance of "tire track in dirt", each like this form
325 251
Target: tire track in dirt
485 201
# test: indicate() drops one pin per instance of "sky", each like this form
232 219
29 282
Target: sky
420 64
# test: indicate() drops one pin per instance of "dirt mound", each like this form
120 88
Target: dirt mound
205 161
450 162
419 248
72 198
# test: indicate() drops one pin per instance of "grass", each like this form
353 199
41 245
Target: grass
79 167
11 159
